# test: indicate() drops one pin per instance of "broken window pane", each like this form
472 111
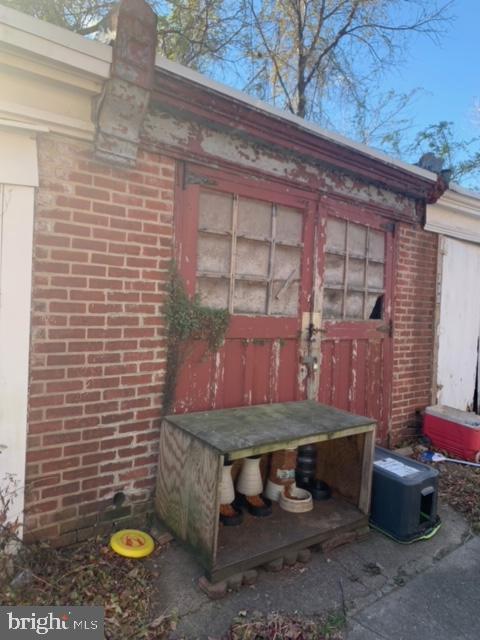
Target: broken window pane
355 266
374 310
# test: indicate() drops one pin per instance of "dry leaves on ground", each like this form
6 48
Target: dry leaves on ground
276 626
90 574
459 486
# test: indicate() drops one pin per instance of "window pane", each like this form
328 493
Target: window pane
334 269
354 305
215 211
213 253
332 304
254 218
287 302
289 225
336 230
375 275
376 245
287 259
213 292
357 240
250 297
356 272
252 258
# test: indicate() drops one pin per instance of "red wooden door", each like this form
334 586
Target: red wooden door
355 258
246 246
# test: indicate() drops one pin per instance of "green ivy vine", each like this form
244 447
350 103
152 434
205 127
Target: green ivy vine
187 320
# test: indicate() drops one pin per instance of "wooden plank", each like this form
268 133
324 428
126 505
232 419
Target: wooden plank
340 465
367 469
186 493
263 427
271 258
259 540
233 255
298 442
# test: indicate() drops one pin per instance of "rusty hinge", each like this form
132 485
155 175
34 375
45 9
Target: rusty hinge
193 178
386 328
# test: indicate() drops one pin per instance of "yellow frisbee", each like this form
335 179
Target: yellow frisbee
132 543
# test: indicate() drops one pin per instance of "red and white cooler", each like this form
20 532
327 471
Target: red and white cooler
457 432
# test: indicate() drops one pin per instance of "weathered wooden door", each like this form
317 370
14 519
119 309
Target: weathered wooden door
355 257
247 246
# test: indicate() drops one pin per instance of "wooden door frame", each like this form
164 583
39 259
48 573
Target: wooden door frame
186 213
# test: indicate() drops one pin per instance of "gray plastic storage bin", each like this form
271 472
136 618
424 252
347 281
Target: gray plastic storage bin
404 497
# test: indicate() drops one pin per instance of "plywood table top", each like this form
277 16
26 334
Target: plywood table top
257 429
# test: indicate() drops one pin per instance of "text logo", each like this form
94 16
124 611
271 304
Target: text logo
25 623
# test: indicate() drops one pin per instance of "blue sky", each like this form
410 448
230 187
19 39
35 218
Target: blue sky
448 73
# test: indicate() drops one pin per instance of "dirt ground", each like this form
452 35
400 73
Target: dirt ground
92 574
459 486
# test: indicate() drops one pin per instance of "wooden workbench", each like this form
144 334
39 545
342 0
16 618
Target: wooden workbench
193 448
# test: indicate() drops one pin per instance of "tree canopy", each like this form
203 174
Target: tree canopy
324 60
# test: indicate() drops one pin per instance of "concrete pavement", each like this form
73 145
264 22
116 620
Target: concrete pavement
441 604
385 588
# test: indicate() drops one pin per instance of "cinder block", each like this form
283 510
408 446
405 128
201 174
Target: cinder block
304 556
214 591
250 577
274 565
290 558
235 582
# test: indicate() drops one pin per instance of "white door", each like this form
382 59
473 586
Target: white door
459 327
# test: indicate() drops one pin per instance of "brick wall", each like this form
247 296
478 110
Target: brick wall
102 247
414 316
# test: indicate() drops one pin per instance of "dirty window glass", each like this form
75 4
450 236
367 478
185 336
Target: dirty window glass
354 274
249 255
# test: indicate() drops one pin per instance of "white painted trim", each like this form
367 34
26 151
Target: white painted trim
62 124
18 162
456 214
15 304
184 72
14 125
18 158
453 232
54 43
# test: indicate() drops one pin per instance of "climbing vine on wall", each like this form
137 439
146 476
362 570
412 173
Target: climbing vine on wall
188 320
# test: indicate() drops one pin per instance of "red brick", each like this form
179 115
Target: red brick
91 304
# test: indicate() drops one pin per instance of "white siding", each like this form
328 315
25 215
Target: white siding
18 178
